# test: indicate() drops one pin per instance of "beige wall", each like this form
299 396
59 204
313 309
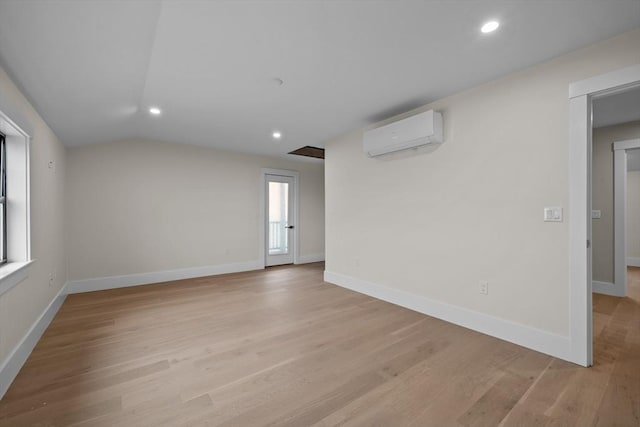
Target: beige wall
21 306
435 224
633 215
144 206
603 138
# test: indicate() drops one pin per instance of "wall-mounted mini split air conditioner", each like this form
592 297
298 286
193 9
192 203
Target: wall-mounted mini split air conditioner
415 131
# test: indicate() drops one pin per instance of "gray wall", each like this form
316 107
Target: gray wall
603 138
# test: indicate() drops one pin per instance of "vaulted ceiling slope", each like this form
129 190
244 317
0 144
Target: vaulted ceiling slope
93 68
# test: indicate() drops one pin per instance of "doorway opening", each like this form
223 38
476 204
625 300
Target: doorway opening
581 97
615 138
280 217
615 223
626 239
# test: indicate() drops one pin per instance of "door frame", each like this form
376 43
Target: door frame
263 216
620 212
581 94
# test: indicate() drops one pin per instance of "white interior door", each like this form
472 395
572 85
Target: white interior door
279 227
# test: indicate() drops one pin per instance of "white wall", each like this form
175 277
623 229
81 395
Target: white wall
435 224
145 206
21 306
602 187
633 216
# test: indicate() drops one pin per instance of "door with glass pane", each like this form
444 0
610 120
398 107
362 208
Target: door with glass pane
279 228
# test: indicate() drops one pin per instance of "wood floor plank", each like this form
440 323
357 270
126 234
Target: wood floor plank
281 347
430 391
497 402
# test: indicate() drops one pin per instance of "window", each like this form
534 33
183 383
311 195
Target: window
3 200
15 248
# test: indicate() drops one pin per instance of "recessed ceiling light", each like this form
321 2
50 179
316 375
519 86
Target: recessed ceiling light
155 111
276 135
490 27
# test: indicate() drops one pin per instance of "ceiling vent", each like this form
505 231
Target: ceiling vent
315 152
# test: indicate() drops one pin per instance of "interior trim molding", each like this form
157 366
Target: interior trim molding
622 78
13 273
114 282
306 259
13 363
633 262
546 342
607 288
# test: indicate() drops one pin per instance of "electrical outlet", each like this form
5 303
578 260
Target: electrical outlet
484 287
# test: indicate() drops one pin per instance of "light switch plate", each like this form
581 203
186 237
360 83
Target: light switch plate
596 214
553 214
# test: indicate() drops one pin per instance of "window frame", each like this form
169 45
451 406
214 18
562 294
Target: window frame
17 204
3 197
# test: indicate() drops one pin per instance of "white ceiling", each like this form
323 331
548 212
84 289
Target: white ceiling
618 108
93 68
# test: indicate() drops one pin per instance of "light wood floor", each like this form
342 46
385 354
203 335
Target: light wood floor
280 347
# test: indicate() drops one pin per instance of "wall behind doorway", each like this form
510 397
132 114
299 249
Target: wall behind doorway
633 218
603 237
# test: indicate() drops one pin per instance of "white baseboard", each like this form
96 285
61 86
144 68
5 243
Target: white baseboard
606 288
12 364
306 259
526 336
114 282
633 262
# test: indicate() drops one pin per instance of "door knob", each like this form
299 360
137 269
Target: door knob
289 226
